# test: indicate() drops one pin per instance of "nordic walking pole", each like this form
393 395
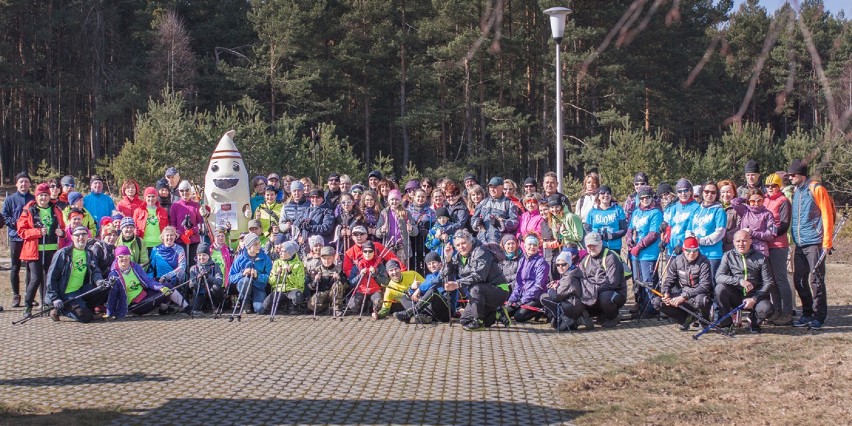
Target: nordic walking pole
316 288
690 312
209 293
822 254
364 300
154 299
276 296
241 299
716 323
101 285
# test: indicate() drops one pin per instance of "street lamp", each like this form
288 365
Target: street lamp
557 27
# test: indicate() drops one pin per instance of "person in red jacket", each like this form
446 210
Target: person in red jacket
151 220
42 228
355 254
130 201
368 281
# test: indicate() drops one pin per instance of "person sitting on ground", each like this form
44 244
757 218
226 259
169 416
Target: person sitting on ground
511 260
72 273
129 239
429 301
744 276
355 253
136 292
687 283
604 285
327 283
480 277
368 274
250 272
205 278
531 282
287 279
398 284
168 262
562 302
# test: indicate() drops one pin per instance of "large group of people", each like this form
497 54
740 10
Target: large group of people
430 251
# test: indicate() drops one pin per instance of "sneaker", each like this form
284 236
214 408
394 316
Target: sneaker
197 313
610 323
338 313
403 316
375 316
783 320
28 312
803 322
424 319
54 314
16 301
587 321
564 324
755 329
815 325
684 326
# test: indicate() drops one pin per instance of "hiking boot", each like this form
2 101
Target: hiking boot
564 323
54 314
28 312
502 317
374 316
587 321
783 320
383 313
610 323
424 319
475 326
338 313
16 301
755 329
803 322
403 316
815 325
197 313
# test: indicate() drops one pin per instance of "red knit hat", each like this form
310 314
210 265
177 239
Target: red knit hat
690 243
150 191
42 188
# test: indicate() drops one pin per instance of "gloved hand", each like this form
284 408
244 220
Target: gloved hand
165 290
186 236
662 245
677 250
605 235
58 304
634 251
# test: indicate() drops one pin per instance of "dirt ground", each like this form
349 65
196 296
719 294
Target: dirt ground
783 376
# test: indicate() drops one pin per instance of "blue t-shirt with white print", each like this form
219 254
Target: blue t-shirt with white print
706 221
680 222
599 219
642 222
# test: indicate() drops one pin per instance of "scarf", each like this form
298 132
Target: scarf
169 254
370 216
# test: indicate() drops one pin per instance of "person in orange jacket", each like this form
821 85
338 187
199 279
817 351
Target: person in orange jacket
43 230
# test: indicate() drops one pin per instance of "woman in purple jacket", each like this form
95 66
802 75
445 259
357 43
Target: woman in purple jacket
531 282
134 290
756 219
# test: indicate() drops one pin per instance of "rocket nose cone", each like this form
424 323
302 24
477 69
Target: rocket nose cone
226 143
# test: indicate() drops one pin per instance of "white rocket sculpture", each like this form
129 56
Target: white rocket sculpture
226 187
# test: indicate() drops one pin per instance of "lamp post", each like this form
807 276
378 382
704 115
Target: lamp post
557 28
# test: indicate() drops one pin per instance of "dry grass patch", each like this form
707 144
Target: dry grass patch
26 414
764 380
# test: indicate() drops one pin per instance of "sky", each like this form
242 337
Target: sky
834 6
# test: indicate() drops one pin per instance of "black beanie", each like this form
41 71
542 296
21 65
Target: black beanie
752 166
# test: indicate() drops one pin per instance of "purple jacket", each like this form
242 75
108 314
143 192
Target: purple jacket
117 300
177 215
531 280
761 223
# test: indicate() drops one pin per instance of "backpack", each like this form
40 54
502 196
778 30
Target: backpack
496 251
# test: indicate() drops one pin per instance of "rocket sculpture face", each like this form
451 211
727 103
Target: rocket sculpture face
226 187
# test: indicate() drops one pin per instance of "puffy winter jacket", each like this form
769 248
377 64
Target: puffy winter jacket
459 217
260 263
179 212
812 221
129 205
752 267
293 209
478 268
570 288
29 228
761 223
510 268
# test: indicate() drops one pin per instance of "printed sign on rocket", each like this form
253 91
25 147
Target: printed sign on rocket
226 186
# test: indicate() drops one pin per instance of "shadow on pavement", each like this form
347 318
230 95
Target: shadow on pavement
337 411
97 379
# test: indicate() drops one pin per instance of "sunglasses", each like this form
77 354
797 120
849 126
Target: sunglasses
359 234
81 234
183 190
346 203
773 185
358 192
690 250
645 197
684 191
67 185
639 183
709 192
314 196
561 265
368 251
755 202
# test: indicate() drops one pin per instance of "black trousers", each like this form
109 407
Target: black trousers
36 273
729 297
569 308
15 248
521 314
483 302
810 287
430 303
607 305
699 304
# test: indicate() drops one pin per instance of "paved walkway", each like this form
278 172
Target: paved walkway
176 370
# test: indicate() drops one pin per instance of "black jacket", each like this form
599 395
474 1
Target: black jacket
60 272
731 271
689 279
602 273
479 268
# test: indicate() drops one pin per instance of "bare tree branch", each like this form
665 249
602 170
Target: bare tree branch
707 55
